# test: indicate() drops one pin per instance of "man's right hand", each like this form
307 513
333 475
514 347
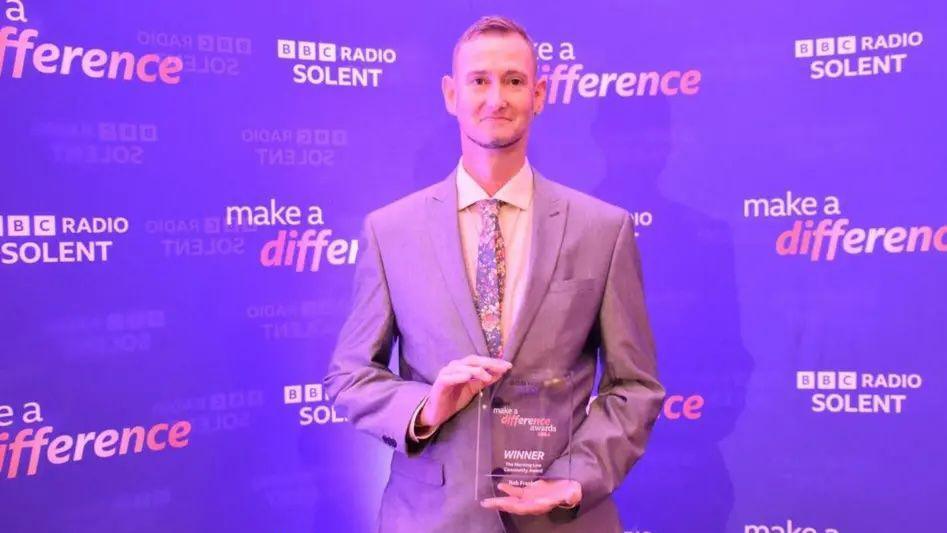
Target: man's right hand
457 383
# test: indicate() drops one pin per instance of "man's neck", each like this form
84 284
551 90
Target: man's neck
493 169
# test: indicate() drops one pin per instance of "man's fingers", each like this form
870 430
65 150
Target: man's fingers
502 503
478 372
511 490
458 377
522 500
473 371
518 506
463 376
486 370
546 504
453 378
534 507
490 363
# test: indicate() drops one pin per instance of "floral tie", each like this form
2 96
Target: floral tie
491 273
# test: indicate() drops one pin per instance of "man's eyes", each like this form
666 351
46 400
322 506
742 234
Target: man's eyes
512 81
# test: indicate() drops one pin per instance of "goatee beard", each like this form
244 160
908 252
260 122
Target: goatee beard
495 144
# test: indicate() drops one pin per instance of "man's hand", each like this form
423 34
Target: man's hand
537 498
457 383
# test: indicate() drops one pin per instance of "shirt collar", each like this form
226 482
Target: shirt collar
518 191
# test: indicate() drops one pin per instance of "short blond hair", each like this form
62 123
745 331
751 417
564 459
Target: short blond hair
495 24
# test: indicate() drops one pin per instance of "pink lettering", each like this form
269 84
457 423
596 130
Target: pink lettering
49 58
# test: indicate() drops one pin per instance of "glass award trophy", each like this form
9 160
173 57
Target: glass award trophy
524 424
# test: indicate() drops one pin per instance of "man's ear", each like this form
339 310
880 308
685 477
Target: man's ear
539 95
450 94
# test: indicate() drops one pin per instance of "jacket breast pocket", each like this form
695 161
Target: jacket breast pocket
418 468
571 285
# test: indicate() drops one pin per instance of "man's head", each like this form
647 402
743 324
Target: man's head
493 89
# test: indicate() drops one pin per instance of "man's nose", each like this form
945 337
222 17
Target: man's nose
496 97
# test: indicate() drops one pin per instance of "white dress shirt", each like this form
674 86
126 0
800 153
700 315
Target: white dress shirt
515 222
515 227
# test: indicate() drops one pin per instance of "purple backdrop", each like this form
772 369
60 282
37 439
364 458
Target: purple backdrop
784 163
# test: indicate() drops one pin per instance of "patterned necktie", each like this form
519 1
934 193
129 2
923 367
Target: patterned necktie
491 273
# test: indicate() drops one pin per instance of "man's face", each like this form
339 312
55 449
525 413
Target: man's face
493 91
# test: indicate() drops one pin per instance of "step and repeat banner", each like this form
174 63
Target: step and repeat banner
183 185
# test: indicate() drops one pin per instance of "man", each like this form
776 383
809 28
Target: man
493 268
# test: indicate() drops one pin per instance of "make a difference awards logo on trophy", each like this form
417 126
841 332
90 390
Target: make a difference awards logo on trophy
525 423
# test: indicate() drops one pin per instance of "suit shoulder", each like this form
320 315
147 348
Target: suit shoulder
403 208
587 206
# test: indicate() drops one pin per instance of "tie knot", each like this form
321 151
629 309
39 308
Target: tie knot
489 207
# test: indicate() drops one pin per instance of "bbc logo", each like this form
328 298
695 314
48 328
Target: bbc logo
828 46
307 50
123 132
303 393
26 226
827 380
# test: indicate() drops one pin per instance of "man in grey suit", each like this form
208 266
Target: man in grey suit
493 268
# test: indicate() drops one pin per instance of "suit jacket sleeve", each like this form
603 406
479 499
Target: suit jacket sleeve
375 399
613 436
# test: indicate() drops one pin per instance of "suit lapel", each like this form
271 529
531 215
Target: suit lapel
445 234
549 221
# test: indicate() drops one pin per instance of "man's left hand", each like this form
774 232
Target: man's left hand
537 498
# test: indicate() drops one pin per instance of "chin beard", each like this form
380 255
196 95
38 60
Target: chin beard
496 144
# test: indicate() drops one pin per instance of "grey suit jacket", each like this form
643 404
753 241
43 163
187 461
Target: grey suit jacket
583 301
